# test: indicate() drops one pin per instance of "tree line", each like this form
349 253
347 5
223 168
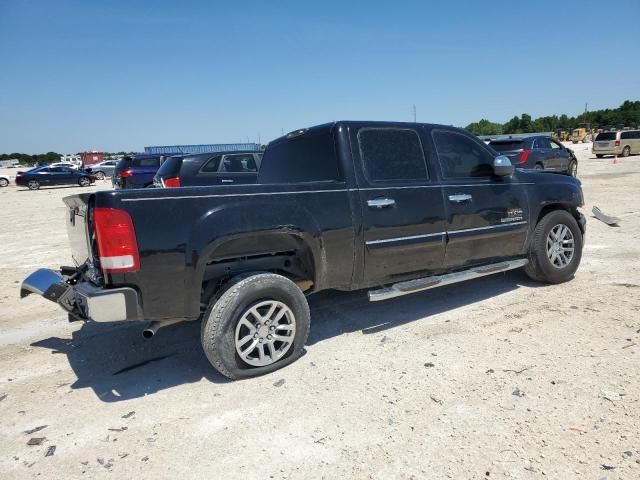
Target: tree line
626 115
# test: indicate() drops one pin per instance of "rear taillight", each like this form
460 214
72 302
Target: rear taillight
126 173
523 156
171 182
617 144
117 245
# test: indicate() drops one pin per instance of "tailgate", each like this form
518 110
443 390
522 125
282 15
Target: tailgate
77 226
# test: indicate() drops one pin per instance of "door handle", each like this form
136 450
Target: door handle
381 202
226 180
460 198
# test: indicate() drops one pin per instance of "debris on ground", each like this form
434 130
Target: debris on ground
517 392
105 463
145 459
50 451
36 440
491 370
279 383
611 221
607 467
121 429
3 396
129 415
435 399
429 365
34 430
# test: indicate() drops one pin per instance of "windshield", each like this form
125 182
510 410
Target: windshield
606 136
508 146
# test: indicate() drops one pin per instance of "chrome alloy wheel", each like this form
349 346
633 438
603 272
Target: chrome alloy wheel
560 246
265 333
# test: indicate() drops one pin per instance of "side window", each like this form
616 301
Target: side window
625 135
542 143
461 156
212 165
54 169
392 154
555 145
239 163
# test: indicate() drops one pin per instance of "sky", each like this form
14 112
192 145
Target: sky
121 75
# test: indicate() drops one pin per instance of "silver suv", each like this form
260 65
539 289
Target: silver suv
623 143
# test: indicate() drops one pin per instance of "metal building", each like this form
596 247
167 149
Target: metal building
210 148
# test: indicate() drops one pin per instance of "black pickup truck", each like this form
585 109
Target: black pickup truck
395 208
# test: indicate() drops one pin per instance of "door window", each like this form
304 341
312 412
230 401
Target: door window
461 156
543 143
212 165
555 145
391 154
239 164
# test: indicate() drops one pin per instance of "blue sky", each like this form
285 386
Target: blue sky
112 75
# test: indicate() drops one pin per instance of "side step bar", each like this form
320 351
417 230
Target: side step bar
420 284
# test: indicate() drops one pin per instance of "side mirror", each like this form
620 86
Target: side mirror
502 166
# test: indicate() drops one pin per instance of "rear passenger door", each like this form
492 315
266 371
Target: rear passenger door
486 215
402 205
238 168
544 154
560 155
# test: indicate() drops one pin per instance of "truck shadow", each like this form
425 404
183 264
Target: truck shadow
118 364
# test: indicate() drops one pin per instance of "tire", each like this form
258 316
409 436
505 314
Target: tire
540 266
33 184
626 151
226 322
99 175
599 155
573 168
538 166
84 181
4 182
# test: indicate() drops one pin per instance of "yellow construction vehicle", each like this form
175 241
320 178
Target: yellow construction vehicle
580 135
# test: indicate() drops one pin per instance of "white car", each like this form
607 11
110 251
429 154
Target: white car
4 181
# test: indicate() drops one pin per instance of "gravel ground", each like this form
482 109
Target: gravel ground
498 377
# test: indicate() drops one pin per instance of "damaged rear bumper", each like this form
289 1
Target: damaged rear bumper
83 300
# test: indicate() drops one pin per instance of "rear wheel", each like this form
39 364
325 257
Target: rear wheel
599 155
99 175
259 324
4 182
33 185
626 151
84 182
538 166
556 248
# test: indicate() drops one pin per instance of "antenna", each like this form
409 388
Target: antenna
414 113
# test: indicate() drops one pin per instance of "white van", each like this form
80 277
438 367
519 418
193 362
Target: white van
624 143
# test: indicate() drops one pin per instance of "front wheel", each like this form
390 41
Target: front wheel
259 324
573 168
555 249
4 182
626 151
84 182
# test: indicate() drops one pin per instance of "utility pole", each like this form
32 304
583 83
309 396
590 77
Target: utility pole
585 107
414 113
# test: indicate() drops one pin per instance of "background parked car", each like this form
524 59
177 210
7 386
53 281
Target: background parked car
137 171
539 152
4 181
209 169
47 176
623 143
103 169
65 164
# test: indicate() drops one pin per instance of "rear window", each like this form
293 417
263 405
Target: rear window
309 156
606 136
509 146
145 162
170 168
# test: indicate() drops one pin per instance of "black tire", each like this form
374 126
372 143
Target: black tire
573 168
99 175
4 182
626 151
538 166
540 267
33 184
84 181
227 309
599 155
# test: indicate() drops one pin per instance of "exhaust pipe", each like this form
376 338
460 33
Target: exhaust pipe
153 327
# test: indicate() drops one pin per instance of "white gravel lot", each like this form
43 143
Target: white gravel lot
499 377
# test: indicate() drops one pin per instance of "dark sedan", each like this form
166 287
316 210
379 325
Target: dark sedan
49 176
539 152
